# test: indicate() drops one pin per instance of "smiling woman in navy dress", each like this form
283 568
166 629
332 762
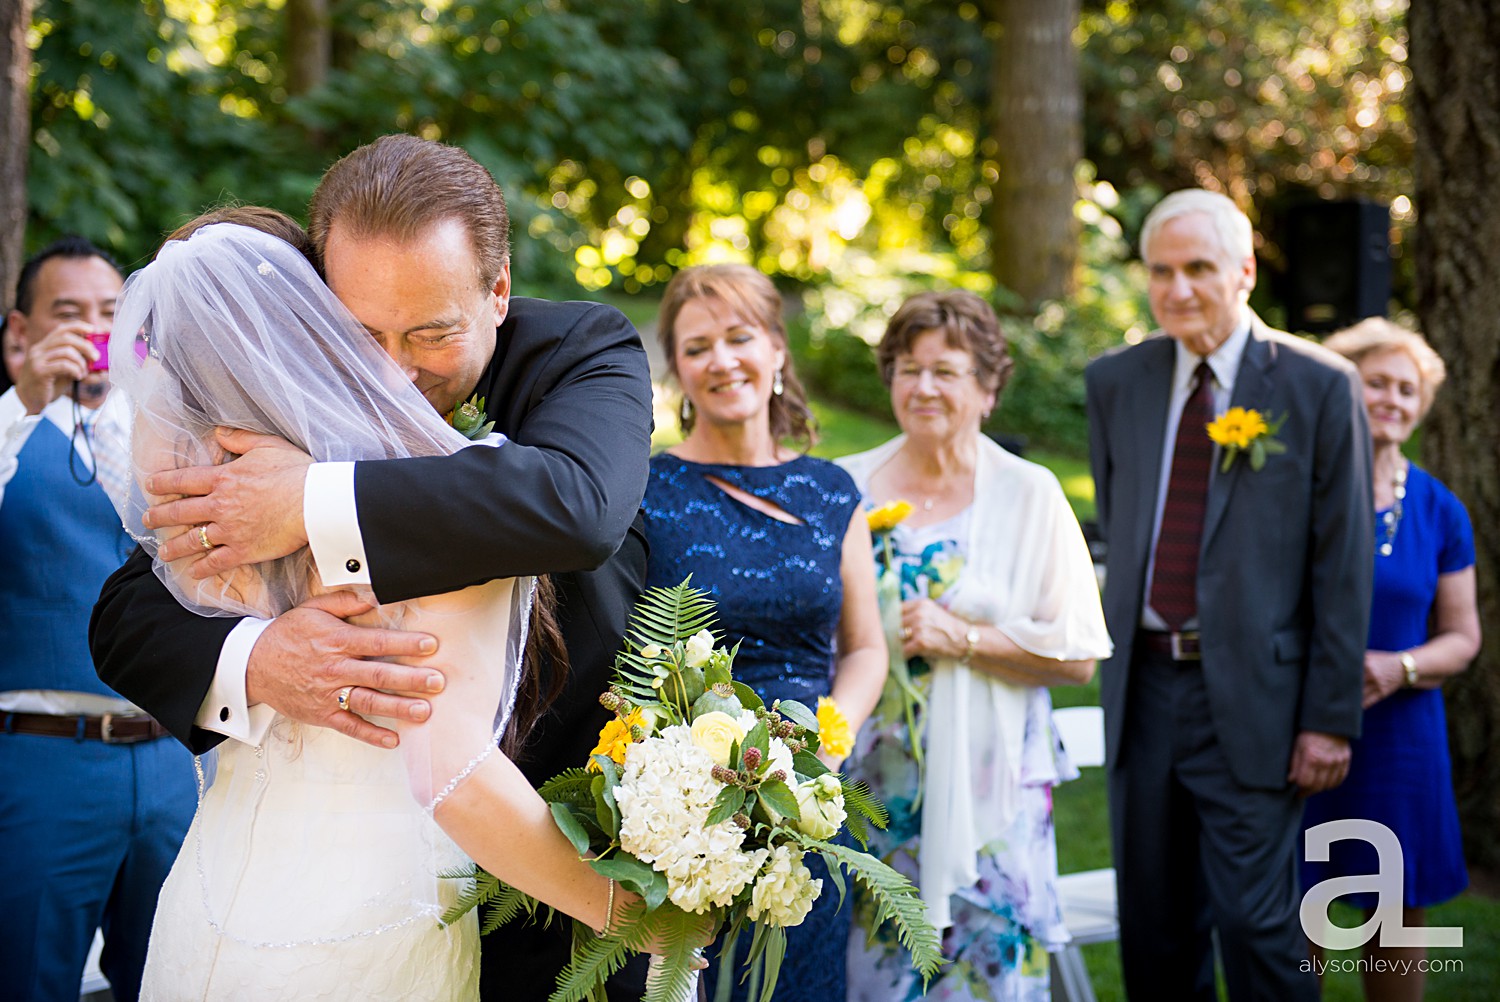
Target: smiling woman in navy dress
776 536
1424 629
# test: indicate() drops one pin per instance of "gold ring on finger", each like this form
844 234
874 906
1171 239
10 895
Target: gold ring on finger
344 697
203 537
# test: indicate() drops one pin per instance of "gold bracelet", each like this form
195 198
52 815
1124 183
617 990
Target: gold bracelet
609 909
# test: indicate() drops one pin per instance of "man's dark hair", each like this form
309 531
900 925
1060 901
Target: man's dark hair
68 248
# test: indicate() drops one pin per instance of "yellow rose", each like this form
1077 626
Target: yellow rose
887 516
833 728
716 732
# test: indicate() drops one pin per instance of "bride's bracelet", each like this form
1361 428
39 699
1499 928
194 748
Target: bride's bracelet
609 909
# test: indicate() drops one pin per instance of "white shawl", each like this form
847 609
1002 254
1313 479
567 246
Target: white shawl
1027 572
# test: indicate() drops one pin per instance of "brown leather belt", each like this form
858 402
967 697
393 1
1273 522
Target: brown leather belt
111 728
1183 646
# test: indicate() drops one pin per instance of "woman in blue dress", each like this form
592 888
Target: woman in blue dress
1424 628
775 536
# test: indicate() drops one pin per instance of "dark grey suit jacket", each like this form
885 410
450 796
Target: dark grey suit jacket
1284 575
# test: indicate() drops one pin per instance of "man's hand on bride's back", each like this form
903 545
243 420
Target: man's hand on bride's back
250 509
309 654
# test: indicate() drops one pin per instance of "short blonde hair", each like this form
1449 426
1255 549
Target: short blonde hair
1376 336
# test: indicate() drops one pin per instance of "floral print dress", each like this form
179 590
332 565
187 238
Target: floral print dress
1004 925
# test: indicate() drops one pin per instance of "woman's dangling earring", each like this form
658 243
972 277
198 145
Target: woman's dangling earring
685 412
777 386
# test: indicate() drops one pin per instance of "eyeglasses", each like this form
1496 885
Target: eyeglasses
942 375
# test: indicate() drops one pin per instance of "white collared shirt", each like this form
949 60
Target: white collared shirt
1225 363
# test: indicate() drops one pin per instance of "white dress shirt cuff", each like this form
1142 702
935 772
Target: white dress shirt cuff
332 523
226 710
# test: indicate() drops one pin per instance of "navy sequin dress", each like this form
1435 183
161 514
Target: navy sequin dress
779 593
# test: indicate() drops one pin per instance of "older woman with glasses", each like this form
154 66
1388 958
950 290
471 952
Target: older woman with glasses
989 596
1424 629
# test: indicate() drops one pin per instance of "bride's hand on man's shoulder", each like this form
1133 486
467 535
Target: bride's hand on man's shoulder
250 510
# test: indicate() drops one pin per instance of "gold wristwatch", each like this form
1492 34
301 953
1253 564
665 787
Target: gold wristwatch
971 644
1409 667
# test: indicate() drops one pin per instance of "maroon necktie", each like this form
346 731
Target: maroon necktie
1174 582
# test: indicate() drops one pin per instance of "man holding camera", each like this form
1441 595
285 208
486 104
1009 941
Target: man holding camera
94 797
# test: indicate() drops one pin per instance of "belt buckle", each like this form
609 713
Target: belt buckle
1180 652
107 729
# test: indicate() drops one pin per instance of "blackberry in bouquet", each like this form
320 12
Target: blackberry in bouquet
704 801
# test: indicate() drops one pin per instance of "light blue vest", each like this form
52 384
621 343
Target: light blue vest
58 542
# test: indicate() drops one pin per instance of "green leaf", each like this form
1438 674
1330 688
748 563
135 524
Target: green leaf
775 944
1257 455
713 674
798 714
657 892
1273 447
747 696
809 765
778 796
570 826
627 871
729 800
759 737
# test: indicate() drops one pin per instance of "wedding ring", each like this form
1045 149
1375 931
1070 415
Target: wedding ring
905 633
344 697
203 537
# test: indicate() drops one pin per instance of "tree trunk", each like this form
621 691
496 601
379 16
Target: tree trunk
15 140
1455 106
309 45
1036 116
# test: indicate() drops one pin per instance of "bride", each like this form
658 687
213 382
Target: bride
313 866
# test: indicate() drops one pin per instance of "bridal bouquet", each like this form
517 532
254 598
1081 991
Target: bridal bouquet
703 800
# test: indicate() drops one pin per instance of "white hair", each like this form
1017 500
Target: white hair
1230 225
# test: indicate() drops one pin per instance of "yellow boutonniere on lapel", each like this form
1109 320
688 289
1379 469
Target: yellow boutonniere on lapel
1242 429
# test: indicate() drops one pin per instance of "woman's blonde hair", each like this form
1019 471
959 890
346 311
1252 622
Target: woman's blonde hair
1376 336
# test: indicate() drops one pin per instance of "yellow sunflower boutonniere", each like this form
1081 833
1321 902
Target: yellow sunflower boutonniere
468 419
1242 429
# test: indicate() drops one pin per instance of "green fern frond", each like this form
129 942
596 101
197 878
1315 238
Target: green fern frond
505 905
595 958
895 899
859 800
666 616
572 786
674 929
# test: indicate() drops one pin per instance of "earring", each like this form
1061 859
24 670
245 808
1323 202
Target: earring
777 386
685 412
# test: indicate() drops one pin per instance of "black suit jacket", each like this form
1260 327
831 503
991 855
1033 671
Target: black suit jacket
570 386
1285 566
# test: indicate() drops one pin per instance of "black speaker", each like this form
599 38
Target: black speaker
1338 258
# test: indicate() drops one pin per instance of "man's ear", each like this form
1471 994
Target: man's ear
501 294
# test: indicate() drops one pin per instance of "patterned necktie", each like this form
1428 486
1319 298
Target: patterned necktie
1174 582
111 456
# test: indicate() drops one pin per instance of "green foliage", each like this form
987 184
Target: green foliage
863 808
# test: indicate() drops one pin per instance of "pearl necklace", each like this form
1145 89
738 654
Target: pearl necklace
1392 520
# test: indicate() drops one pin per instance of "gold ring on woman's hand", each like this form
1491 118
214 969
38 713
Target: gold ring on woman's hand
203 537
906 633
344 697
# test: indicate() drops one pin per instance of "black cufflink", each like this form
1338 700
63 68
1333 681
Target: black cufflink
351 565
223 714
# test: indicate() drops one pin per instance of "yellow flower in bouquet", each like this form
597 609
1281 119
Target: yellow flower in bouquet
833 729
615 737
888 516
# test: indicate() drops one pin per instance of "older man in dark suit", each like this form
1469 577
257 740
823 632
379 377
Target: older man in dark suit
414 237
1237 593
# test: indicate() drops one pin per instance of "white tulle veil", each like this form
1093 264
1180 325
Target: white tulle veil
233 327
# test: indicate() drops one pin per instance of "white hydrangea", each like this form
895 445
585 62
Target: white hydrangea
785 891
665 794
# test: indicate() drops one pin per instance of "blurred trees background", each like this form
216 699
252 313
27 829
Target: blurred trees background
855 149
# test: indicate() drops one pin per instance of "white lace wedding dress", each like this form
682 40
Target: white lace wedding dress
311 870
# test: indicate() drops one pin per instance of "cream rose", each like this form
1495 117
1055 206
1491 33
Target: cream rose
700 646
716 732
822 810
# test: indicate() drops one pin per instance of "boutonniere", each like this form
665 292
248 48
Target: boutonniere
1246 430
468 419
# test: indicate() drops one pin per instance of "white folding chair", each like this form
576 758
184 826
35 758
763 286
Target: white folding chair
1088 896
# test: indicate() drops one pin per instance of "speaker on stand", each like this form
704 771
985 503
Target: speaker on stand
1338 256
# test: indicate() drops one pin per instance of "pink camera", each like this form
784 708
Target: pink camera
100 340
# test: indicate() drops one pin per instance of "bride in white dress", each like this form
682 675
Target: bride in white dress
312 867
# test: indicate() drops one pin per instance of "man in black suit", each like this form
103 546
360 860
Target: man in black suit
1237 597
414 239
